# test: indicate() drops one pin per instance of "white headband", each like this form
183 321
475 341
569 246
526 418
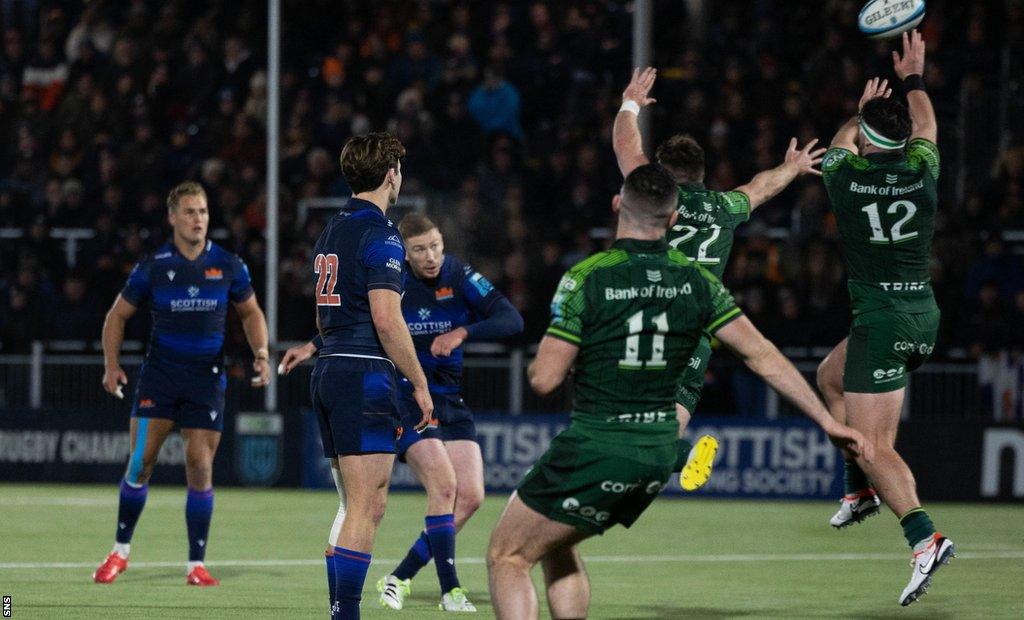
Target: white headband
876 138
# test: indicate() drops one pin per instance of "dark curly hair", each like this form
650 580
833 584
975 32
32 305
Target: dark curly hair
683 157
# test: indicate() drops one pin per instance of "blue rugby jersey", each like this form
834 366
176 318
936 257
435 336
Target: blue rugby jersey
458 297
359 250
188 300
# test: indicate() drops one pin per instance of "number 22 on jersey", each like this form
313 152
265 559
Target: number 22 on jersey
702 250
326 266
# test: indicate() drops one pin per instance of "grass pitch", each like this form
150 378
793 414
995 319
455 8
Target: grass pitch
696 558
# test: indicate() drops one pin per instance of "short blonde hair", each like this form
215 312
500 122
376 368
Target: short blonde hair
188 188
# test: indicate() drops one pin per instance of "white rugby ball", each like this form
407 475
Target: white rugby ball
881 19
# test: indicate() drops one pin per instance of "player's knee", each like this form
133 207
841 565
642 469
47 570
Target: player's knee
467 503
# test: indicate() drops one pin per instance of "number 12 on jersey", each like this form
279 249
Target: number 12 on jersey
326 266
635 324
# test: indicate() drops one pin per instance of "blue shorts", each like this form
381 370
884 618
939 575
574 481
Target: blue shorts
356 405
190 395
454 420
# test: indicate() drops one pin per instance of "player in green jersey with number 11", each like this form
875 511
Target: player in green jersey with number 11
628 319
881 173
704 227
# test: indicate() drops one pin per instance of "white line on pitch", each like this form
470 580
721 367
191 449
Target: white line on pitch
601 559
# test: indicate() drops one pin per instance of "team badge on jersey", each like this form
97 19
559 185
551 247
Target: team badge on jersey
444 293
213 273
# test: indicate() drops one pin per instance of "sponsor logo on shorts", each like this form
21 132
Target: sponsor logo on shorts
612 486
647 417
904 346
654 488
571 504
903 286
887 375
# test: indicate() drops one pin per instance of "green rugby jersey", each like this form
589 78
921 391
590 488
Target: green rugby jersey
706 224
636 312
885 205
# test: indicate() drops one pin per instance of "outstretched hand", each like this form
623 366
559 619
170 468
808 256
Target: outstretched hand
851 439
912 62
875 88
640 86
804 159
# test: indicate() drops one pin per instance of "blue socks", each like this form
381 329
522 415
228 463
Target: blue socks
133 500
441 534
418 557
198 511
346 573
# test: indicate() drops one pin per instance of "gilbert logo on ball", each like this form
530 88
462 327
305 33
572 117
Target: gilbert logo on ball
881 19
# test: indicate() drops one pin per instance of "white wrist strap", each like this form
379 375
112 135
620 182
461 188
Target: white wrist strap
628 105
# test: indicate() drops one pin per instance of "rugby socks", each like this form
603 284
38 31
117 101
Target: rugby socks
441 533
418 557
198 511
917 526
683 449
129 509
346 573
854 478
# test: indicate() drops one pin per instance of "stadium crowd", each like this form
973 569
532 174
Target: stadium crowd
506 112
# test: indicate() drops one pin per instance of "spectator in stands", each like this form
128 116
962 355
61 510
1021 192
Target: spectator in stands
495 104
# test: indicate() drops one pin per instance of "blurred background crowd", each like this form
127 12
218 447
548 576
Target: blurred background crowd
506 111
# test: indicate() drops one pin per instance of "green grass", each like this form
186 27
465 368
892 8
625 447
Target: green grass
673 564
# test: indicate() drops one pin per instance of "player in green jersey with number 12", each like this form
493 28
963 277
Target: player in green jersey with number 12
881 173
704 226
628 319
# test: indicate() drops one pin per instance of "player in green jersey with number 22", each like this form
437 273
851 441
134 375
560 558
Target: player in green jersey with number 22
881 173
705 224
628 319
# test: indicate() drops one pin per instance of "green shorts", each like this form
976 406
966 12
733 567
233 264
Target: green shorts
884 346
592 484
691 382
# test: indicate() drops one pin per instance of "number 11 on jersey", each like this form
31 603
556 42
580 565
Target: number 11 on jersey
635 324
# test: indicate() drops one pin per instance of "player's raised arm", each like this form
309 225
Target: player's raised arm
762 357
767 184
386 312
626 140
910 69
113 336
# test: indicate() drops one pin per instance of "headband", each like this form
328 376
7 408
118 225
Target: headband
876 138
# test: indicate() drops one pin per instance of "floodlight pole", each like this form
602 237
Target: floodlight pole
643 14
273 98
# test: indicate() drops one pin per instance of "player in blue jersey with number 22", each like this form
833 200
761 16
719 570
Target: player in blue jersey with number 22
357 272
446 303
187 284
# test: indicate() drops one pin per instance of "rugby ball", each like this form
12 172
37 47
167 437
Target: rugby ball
881 19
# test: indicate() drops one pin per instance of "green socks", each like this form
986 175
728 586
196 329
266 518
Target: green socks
683 449
854 478
916 526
